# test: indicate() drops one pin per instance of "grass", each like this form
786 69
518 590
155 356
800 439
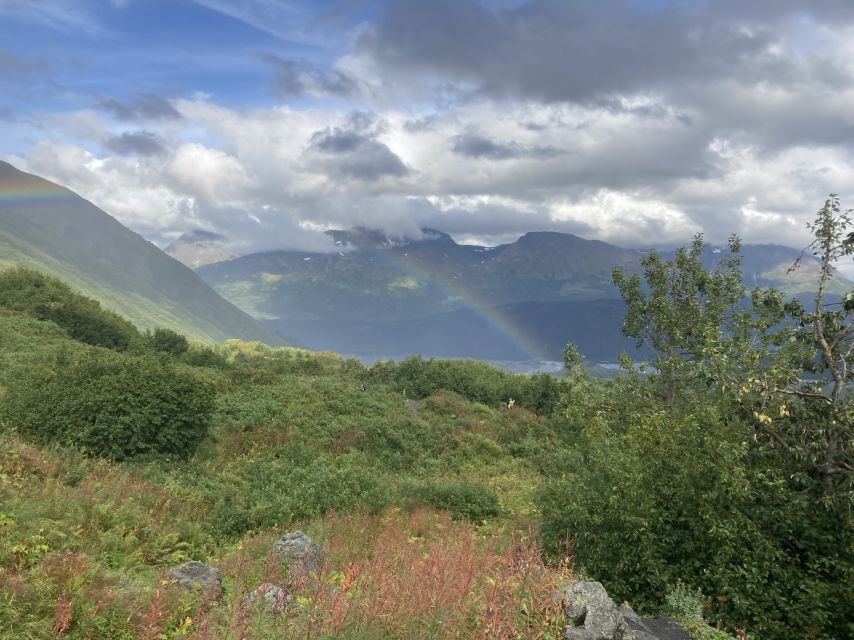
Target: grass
85 544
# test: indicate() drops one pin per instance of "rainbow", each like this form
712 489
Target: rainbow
29 191
491 315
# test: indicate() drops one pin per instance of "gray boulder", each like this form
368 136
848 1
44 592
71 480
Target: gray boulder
635 624
272 597
194 575
664 628
304 555
593 614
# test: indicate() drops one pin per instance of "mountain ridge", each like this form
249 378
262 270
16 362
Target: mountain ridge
48 227
381 293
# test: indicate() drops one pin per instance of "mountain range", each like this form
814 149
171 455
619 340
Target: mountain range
379 295
374 296
47 227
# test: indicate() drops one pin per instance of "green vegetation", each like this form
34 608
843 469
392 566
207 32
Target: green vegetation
109 405
47 298
714 485
730 465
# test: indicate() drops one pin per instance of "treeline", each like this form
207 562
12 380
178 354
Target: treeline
418 378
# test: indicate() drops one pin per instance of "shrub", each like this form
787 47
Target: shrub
274 491
111 405
475 381
678 497
51 299
460 498
202 356
168 341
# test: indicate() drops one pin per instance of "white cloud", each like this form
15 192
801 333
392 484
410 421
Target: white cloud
613 178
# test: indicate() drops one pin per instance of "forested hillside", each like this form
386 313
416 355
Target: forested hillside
713 481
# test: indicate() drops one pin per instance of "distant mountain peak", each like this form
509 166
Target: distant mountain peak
199 247
371 239
199 235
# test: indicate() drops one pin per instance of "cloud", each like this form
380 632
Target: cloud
639 123
63 15
143 143
144 107
13 65
209 175
584 51
353 150
298 78
475 146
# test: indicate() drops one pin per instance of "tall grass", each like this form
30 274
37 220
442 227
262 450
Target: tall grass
398 575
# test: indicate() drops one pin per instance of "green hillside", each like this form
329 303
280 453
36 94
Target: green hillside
442 512
49 228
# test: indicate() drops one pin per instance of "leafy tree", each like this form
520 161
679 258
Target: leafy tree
826 335
727 464
168 341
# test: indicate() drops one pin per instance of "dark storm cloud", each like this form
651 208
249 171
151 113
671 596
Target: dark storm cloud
297 78
550 50
145 107
139 143
476 146
338 141
352 149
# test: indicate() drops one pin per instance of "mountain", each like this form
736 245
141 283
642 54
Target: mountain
48 227
198 247
380 295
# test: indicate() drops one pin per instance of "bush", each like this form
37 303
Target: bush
168 341
278 491
50 299
202 356
678 497
462 499
475 381
111 405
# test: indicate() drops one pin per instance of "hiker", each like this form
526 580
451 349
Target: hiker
510 404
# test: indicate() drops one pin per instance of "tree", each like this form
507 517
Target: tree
168 341
727 464
827 334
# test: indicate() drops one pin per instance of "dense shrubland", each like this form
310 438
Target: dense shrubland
723 469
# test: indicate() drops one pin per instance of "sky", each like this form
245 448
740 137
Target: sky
637 122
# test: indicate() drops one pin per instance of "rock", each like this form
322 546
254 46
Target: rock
592 612
414 405
594 616
663 628
303 554
274 598
198 575
634 623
